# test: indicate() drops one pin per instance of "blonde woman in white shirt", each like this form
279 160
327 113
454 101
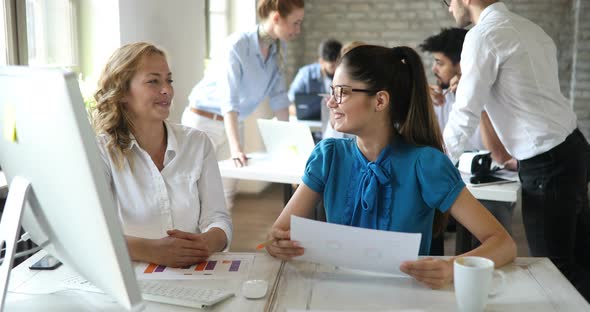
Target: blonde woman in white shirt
164 176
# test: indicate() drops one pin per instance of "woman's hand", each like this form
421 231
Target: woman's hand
283 247
434 273
240 159
231 124
180 249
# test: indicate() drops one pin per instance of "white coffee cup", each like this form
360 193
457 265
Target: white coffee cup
473 281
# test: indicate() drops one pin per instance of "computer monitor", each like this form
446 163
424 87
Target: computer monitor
48 141
286 140
308 106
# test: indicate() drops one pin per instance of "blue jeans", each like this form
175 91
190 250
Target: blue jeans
555 209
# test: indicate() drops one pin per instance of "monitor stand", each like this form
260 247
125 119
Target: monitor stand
9 229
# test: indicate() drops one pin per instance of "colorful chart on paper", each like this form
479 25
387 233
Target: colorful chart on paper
218 266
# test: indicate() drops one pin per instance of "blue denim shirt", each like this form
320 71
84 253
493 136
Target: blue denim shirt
242 79
308 80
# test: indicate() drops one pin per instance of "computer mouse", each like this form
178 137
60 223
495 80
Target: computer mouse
254 289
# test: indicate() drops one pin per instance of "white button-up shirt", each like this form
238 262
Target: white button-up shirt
509 68
186 195
442 115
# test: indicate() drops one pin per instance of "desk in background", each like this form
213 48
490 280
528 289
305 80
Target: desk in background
532 284
314 125
262 167
507 192
41 290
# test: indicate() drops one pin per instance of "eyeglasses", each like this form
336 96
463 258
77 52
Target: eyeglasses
446 2
338 91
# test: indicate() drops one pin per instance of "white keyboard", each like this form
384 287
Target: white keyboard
164 293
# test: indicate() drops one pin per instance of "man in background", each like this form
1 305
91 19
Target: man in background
316 78
509 68
445 48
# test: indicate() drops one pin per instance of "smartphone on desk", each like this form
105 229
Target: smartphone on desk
48 262
487 180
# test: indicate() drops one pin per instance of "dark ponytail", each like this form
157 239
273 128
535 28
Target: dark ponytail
400 72
420 125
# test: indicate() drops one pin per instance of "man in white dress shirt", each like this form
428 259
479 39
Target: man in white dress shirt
445 48
509 68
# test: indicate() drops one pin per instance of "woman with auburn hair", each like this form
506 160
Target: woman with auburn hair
251 70
164 176
394 175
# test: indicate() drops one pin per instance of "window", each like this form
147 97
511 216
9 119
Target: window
50 32
217 26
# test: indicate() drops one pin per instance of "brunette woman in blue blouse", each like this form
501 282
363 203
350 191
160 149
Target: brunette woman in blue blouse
394 176
250 71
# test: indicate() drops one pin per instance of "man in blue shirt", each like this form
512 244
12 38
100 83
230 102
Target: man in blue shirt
317 77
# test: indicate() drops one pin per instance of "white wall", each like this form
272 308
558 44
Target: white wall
242 15
98 34
176 26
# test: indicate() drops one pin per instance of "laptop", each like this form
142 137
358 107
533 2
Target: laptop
308 106
286 140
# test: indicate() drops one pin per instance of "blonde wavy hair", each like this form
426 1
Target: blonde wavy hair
109 116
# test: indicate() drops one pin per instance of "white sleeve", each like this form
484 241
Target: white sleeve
229 83
213 210
479 66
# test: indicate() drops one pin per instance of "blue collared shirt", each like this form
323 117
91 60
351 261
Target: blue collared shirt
242 79
308 80
397 192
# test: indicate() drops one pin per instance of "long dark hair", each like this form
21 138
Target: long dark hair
400 72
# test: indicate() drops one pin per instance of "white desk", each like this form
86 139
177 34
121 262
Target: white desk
263 168
532 284
314 125
41 290
3 185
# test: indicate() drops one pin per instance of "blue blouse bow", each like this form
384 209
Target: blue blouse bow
372 204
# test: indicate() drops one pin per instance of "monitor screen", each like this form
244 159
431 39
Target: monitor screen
308 106
47 139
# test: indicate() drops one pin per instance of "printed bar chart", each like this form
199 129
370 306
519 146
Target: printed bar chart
235 266
217 266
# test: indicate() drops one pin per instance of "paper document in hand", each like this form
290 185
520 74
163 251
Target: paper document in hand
353 247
